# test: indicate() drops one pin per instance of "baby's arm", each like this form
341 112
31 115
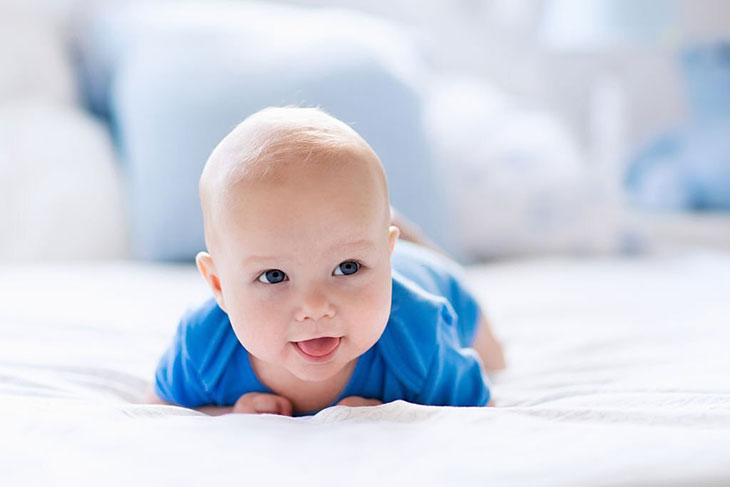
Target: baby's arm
249 403
260 403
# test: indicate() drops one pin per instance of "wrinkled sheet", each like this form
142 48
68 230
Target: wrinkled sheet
619 374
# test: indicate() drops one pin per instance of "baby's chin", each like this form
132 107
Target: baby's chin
308 371
320 374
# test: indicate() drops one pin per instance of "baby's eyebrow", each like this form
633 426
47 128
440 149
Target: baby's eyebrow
258 259
364 243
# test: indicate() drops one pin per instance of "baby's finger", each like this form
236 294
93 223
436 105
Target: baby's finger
266 404
357 401
285 406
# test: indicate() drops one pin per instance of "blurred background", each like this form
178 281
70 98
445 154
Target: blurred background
508 128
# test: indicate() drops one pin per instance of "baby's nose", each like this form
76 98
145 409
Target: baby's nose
314 305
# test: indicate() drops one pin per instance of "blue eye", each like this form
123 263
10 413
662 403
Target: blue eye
347 268
273 276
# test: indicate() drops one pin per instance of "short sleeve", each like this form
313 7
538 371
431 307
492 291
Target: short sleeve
455 376
440 276
177 378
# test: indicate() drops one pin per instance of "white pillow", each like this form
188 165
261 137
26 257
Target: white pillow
60 190
516 177
34 60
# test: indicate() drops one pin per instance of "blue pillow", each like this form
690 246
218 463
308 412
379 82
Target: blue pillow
177 85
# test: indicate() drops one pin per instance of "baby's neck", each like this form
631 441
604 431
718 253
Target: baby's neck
306 396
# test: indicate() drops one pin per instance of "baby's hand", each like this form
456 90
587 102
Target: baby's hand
261 403
355 401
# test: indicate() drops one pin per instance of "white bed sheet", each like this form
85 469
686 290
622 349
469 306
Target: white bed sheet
619 374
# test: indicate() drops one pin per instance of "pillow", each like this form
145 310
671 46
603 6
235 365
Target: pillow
517 176
33 59
61 190
184 75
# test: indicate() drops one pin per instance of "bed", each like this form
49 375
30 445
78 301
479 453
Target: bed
618 375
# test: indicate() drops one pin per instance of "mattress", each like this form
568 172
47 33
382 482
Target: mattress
618 374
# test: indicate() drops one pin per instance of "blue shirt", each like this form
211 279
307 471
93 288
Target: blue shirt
421 357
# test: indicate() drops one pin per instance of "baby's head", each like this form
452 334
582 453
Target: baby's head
297 227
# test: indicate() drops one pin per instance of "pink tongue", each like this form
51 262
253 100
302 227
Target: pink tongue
319 347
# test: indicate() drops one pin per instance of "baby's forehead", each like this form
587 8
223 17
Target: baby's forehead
283 211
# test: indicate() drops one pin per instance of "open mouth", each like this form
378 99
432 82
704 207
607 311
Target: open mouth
318 349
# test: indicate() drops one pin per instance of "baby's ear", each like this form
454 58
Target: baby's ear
207 269
393 233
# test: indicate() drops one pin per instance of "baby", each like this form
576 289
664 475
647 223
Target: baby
315 301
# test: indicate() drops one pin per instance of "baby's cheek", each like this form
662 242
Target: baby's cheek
374 307
256 325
